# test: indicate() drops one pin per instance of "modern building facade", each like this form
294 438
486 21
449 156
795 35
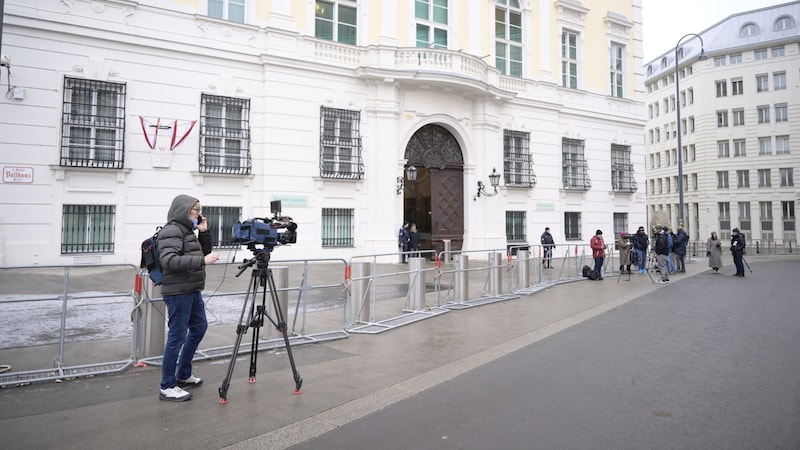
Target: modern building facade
113 107
739 127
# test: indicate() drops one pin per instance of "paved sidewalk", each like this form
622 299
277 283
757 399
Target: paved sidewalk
343 380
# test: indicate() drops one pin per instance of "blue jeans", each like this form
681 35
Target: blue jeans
642 259
187 326
598 266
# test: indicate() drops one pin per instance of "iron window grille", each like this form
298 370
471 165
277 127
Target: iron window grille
574 167
225 135
87 229
622 179
518 161
93 124
337 227
340 144
220 221
515 226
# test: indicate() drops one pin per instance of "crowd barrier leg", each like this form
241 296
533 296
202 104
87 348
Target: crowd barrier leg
362 307
462 279
416 283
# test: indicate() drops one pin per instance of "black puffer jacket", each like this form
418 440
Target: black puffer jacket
181 252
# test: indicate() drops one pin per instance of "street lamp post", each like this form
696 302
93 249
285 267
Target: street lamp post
702 57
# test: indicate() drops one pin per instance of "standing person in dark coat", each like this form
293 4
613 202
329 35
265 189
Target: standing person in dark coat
184 257
403 241
548 246
413 240
640 244
661 248
680 245
737 248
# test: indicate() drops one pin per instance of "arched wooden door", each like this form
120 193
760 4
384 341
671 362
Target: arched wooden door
436 203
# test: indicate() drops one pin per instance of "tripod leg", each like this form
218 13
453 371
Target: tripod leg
280 323
241 329
257 323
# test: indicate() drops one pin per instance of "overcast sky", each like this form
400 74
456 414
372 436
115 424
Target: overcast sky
666 21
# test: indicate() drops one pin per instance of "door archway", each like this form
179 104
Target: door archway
436 201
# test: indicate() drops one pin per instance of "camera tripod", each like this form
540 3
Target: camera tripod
261 278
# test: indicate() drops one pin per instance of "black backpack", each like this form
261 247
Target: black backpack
150 259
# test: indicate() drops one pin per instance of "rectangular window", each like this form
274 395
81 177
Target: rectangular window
572 226
764 178
787 176
739 148
722 88
93 124
569 59
724 209
574 167
787 214
232 10
779 80
336 20
518 161
781 145
763 113
722 179
225 135
432 20
723 149
744 216
762 83
515 227
760 54
764 146
87 229
337 227
508 39
620 224
690 91
737 86
722 119
694 181
220 221
778 51
736 58
621 169
738 117
781 113
765 208
340 144
691 124
719 61
742 179
617 57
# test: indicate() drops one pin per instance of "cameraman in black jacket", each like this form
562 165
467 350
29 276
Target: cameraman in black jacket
737 248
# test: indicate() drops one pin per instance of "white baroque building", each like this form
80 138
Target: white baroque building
739 128
113 107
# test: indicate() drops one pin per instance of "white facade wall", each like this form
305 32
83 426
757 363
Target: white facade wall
703 162
168 54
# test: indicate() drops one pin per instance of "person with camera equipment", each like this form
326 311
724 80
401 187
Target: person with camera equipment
183 256
714 252
662 253
625 252
737 248
640 244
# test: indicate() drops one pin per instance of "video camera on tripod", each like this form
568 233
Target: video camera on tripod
263 231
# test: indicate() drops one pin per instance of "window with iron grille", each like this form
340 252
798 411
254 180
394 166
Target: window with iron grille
621 169
225 135
572 226
87 229
515 226
337 227
93 124
220 221
518 161
336 20
574 167
340 144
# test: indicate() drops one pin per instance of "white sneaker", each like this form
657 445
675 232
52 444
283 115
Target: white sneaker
174 394
190 382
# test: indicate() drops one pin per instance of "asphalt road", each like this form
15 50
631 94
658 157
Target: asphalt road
707 362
